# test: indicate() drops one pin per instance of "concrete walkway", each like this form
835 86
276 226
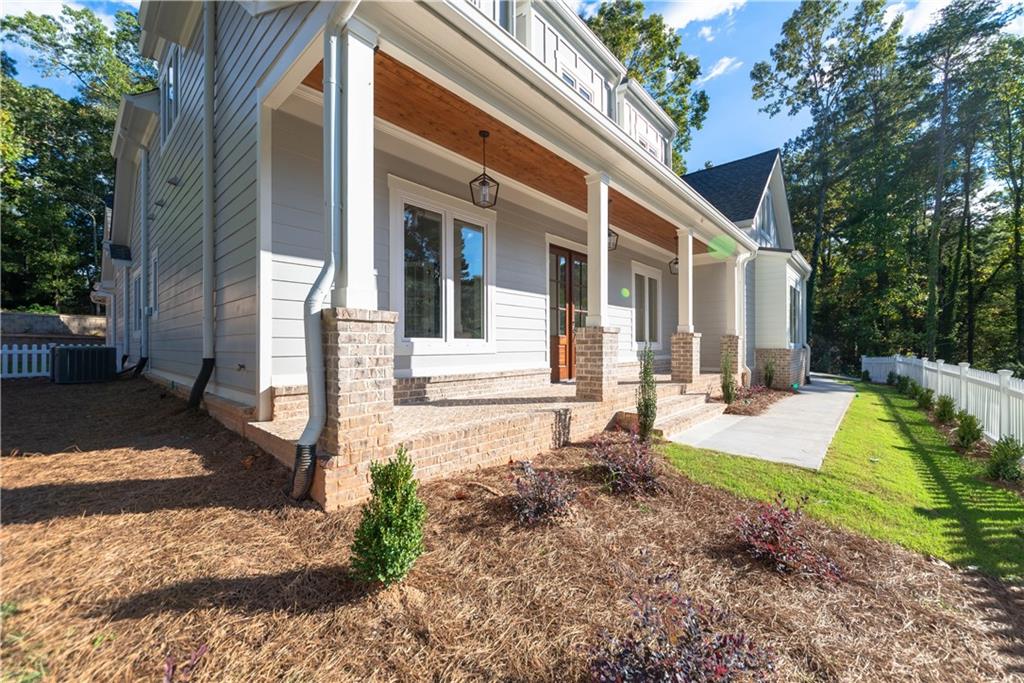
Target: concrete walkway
796 430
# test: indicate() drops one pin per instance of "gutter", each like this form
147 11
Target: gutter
209 54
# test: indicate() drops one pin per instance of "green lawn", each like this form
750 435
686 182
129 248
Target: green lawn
888 474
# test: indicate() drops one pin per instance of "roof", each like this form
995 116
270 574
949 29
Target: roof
735 188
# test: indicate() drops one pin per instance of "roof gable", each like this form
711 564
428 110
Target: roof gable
735 188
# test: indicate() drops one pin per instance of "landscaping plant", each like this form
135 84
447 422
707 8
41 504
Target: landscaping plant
630 466
540 496
968 430
728 381
926 399
646 395
945 409
865 376
769 372
773 533
892 378
390 536
903 384
674 638
913 389
1005 462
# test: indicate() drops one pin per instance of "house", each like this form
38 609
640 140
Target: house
448 224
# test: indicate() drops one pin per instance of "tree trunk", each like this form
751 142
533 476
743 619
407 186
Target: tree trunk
948 317
1018 271
819 231
931 315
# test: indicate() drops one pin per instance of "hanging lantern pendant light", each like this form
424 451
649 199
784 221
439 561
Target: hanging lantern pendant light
484 188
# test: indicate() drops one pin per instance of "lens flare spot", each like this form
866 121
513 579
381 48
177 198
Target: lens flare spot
624 292
722 247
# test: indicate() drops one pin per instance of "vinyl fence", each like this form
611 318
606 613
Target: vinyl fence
995 398
27 360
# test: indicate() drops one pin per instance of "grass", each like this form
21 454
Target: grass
888 474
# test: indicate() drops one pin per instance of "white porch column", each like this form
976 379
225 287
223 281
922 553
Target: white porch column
684 252
597 249
352 118
729 289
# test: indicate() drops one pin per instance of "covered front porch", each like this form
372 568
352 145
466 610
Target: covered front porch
442 311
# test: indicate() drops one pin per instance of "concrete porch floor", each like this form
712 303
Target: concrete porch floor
443 436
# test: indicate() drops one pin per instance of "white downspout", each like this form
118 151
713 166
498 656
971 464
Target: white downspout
209 54
144 239
305 453
126 342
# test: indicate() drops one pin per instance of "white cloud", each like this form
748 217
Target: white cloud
707 33
679 14
919 16
723 66
586 8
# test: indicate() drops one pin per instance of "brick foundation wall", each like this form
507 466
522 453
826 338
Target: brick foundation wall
685 356
597 350
730 346
359 359
791 366
471 385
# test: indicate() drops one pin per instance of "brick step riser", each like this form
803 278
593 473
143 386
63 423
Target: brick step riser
678 423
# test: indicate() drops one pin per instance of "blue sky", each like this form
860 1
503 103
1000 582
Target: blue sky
728 36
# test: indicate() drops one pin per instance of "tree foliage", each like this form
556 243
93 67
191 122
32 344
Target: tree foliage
654 57
56 164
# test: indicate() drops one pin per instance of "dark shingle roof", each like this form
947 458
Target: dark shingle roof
120 252
735 188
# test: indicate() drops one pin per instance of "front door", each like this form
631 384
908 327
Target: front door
567 273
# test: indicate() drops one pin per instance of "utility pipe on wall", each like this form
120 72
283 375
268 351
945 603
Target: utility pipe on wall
209 54
305 448
144 284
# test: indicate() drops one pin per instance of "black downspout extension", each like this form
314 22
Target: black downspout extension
302 472
124 359
140 366
199 388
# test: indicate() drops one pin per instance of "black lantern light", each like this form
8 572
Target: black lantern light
484 188
613 240
673 266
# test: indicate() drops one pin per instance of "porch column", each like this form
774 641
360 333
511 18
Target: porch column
597 346
686 341
352 119
730 347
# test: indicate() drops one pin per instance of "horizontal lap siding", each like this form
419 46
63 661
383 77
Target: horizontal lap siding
247 46
709 311
750 310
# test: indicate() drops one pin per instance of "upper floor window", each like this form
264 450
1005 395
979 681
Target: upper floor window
169 93
766 229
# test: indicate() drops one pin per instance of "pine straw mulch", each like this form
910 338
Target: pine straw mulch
134 530
755 400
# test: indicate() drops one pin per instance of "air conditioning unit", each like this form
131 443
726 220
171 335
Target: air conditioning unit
81 364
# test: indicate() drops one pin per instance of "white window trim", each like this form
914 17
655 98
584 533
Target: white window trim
137 312
402 191
637 268
795 283
173 57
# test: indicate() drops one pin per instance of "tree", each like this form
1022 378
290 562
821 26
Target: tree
946 51
817 66
57 168
654 57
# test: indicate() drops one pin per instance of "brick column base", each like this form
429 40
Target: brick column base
730 346
359 359
685 356
597 350
790 366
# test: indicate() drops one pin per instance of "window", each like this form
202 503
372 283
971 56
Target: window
443 247
646 305
568 79
169 93
766 231
585 94
794 315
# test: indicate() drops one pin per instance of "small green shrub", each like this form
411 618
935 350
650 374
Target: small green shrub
865 376
540 496
968 430
728 381
390 535
903 384
769 372
925 399
1004 463
913 390
892 378
646 395
945 409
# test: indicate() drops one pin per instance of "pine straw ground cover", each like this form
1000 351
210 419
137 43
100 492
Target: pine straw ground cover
134 531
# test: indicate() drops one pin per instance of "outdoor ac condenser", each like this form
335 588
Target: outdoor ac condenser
80 364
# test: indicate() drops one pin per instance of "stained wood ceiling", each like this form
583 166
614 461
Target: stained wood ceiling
408 99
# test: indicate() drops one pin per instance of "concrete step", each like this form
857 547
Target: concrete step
277 437
675 422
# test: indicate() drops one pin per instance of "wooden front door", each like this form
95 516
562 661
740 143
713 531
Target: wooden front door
567 274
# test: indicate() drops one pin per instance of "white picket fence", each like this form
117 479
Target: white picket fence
995 398
27 360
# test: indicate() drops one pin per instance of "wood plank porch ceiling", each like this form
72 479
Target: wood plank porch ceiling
410 100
